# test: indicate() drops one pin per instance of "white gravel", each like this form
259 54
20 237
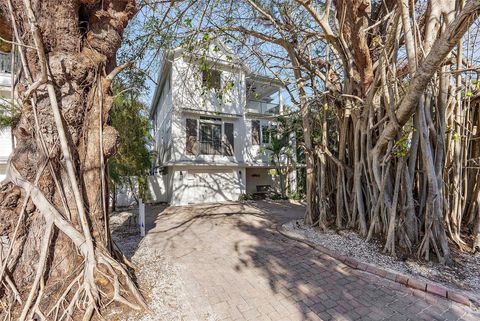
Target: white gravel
463 275
157 276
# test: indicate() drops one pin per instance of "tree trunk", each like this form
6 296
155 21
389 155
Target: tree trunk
53 209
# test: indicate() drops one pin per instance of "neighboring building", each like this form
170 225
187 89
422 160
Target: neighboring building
211 116
6 140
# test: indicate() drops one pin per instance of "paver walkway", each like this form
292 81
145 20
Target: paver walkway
235 266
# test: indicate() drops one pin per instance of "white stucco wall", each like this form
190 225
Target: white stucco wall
162 123
3 168
125 196
158 188
6 144
205 178
188 91
253 153
179 138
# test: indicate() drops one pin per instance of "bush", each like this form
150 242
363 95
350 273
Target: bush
296 196
245 197
276 197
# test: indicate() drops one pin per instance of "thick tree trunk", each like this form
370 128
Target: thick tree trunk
56 170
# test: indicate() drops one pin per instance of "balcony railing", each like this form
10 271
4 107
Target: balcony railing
5 63
261 107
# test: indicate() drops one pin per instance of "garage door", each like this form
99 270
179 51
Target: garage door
205 186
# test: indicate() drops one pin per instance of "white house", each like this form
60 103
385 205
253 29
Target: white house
6 140
211 118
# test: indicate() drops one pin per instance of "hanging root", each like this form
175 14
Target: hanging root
88 292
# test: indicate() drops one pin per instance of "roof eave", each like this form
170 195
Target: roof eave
162 75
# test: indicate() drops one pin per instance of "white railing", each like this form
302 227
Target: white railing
261 107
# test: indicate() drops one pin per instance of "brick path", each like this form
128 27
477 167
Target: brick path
235 266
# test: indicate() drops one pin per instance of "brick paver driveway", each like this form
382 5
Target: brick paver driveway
235 266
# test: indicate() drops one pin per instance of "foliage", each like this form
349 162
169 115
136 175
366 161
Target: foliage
277 197
129 117
280 149
296 196
402 145
356 92
9 113
245 197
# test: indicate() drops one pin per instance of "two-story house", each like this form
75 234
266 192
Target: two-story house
212 120
6 140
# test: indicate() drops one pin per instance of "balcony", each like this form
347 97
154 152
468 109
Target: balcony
262 108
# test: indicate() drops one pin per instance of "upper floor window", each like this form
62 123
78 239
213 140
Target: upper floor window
212 79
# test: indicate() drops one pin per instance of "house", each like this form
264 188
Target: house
6 139
212 120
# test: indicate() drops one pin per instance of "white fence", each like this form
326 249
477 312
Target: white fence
157 192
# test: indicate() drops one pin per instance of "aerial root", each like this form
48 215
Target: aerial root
85 294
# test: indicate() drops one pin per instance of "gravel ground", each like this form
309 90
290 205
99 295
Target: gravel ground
463 275
157 276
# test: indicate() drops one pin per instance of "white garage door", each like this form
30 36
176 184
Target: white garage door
205 186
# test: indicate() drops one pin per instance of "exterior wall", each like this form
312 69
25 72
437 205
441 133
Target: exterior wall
253 153
191 100
6 145
125 196
158 188
158 191
5 149
179 138
207 178
163 123
204 185
261 176
3 168
189 93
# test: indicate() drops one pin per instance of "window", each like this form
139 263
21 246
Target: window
213 137
210 138
255 132
262 132
211 79
265 133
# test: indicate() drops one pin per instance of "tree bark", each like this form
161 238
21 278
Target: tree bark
439 51
56 170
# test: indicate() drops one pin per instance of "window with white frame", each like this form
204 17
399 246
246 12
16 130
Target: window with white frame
262 131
